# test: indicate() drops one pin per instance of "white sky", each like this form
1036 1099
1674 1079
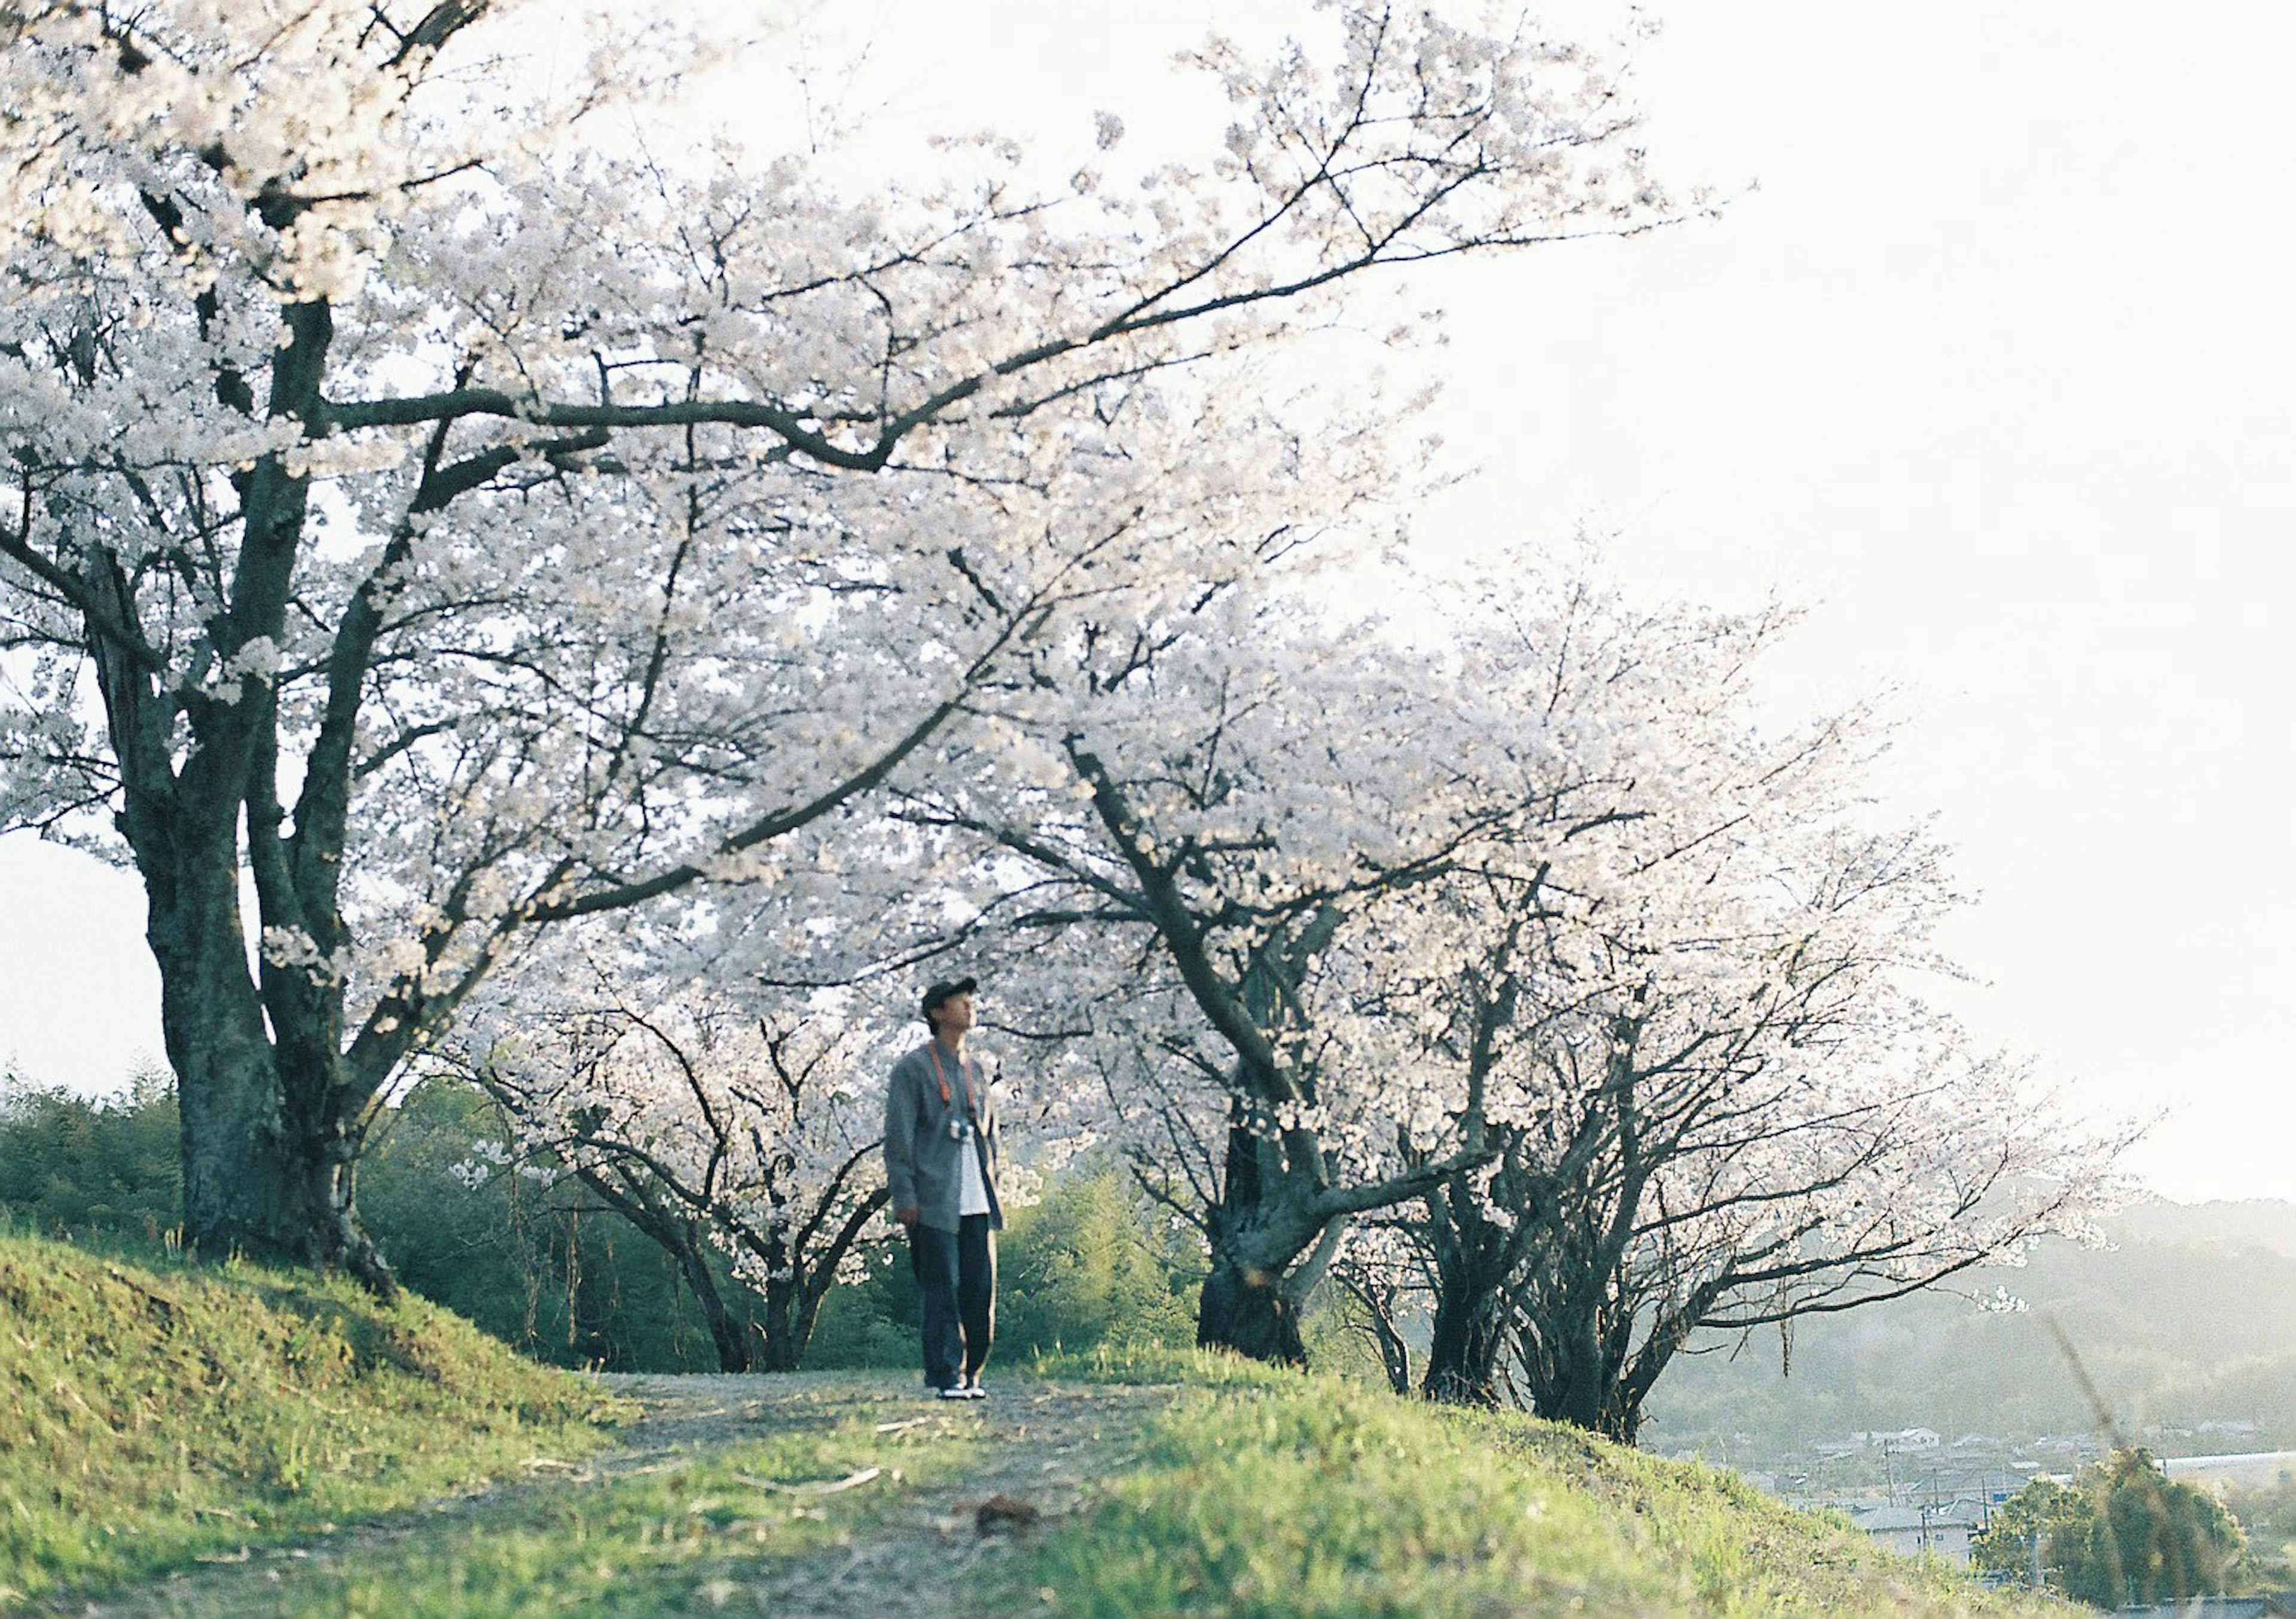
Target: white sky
1997 366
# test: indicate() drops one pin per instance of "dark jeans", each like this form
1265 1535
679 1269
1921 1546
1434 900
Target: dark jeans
956 1291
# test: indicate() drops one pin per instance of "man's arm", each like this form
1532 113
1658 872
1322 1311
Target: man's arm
901 1145
992 1134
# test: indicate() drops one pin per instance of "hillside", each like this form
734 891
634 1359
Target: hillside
155 1416
263 1438
1279 1496
2186 1324
2263 1222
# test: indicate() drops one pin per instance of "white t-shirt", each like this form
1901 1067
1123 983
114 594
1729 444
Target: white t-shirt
971 1190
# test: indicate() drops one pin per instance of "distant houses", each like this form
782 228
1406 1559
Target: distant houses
1905 1440
1941 1529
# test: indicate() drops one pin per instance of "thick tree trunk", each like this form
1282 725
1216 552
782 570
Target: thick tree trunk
1242 1308
268 1155
1258 1231
788 1325
1578 1380
259 1179
729 1332
1462 1353
1587 1403
1474 1258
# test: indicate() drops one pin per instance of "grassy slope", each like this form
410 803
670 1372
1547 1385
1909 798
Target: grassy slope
1278 1498
152 1416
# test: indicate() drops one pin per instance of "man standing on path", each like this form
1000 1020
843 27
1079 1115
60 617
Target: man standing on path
940 1177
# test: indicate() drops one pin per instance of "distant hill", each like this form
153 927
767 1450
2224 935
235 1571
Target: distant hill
2188 1319
2263 1222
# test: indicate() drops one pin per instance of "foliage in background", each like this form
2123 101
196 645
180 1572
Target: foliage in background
152 1414
1092 1265
2267 1517
542 1268
1085 1267
70 1166
2122 1532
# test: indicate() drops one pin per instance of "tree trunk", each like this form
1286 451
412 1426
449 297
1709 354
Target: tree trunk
788 1325
268 1155
1463 1355
728 1332
267 1158
1474 1259
1578 1383
1259 1230
1243 1309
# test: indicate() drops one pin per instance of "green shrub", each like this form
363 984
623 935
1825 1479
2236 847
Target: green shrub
108 1169
2122 1532
1092 1263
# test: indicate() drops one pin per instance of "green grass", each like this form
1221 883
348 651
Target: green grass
1269 1497
1150 1364
151 1415
155 1418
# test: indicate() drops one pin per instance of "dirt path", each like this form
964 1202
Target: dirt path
1047 1446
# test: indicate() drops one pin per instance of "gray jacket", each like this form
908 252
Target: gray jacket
922 1166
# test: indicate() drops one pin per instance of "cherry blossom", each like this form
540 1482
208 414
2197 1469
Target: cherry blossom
441 521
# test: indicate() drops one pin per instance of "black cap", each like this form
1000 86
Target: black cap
940 992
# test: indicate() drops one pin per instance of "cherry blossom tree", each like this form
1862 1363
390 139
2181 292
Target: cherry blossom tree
427 521
1211 848
1537 947
1210 831
715 1127
1711 1099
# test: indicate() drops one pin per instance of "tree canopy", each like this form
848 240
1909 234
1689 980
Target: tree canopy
445 523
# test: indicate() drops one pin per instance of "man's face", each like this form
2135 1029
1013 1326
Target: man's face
952 1017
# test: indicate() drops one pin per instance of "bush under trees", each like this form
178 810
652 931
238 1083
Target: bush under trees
76 1168
2122 1532
531 1258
